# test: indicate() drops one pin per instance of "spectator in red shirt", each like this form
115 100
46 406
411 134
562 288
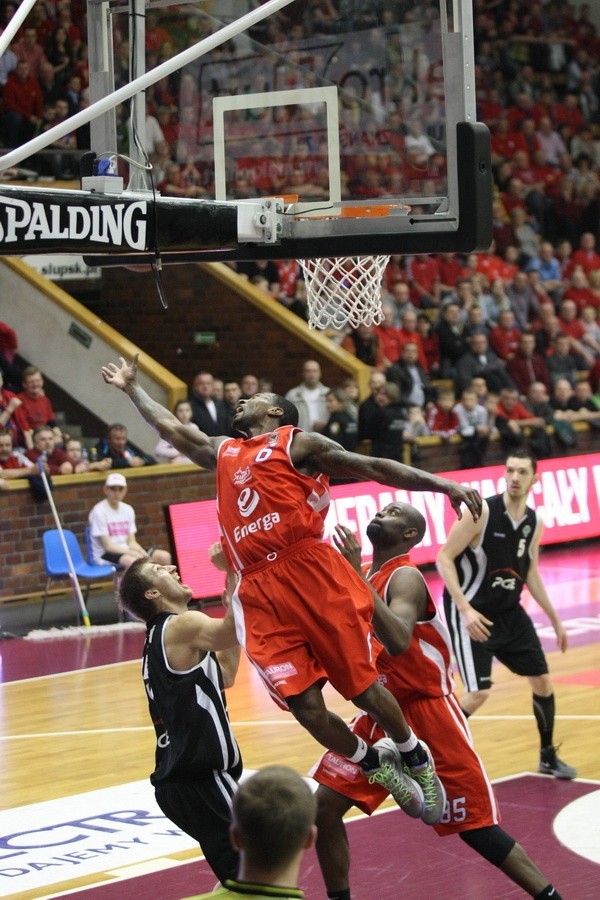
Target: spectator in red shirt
569 113
579 290
424 279
504 141
388 335
430 343
36 407
409 334
288 271
490 107
518 427
490 264
22 106
546 174
155 34
11 416
450 270
30 50
514 195
394 271
442 421
585 256
169 127
582 343
527 366
13 464
533 188
509 267
504 337
55 460
8 341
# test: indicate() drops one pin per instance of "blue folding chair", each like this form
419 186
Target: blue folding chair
57 566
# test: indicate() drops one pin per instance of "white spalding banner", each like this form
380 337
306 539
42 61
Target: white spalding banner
567 495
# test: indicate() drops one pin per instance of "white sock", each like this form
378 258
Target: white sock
360 752
409 744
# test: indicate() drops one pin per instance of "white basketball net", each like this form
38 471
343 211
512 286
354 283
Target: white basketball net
344 291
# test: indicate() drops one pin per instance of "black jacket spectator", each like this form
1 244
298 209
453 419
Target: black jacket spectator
452 339
205 421
411 378
482 362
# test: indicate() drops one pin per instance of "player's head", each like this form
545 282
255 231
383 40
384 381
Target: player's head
264 411
273 818
398 527
147 586
521 469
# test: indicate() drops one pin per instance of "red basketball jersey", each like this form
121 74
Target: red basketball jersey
425 668
264 504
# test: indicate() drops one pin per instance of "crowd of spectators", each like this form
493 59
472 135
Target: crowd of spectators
509 325
32 436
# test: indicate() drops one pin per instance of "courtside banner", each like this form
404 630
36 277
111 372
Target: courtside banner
567 496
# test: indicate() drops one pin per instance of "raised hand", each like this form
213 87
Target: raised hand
123 374
348 545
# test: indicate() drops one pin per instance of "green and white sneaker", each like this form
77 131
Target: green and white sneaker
433 789
392 776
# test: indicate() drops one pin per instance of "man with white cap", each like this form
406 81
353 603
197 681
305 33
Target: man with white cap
113 529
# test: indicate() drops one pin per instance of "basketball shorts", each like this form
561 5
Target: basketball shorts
440 723
305 619
513 641
202 808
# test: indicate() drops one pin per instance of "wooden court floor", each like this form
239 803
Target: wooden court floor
74 724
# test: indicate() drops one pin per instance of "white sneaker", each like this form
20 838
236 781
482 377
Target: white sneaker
393 776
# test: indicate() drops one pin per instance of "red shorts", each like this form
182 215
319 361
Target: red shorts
439 722
305 619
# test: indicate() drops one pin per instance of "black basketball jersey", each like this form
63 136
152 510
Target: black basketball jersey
189 713
492 574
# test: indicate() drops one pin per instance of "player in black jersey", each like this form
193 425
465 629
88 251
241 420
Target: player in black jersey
188 660
484 565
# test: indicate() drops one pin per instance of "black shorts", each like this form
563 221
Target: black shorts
202 808
513 641
113 558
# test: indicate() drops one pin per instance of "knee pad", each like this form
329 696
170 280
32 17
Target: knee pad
492 842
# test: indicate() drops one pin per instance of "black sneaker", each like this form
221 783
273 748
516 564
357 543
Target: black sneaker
550 764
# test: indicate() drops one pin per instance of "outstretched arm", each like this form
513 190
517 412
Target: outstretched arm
194 444
316 453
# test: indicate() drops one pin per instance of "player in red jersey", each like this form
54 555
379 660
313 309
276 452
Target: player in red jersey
301 610
416 668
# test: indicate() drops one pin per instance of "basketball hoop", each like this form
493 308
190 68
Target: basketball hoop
344 291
